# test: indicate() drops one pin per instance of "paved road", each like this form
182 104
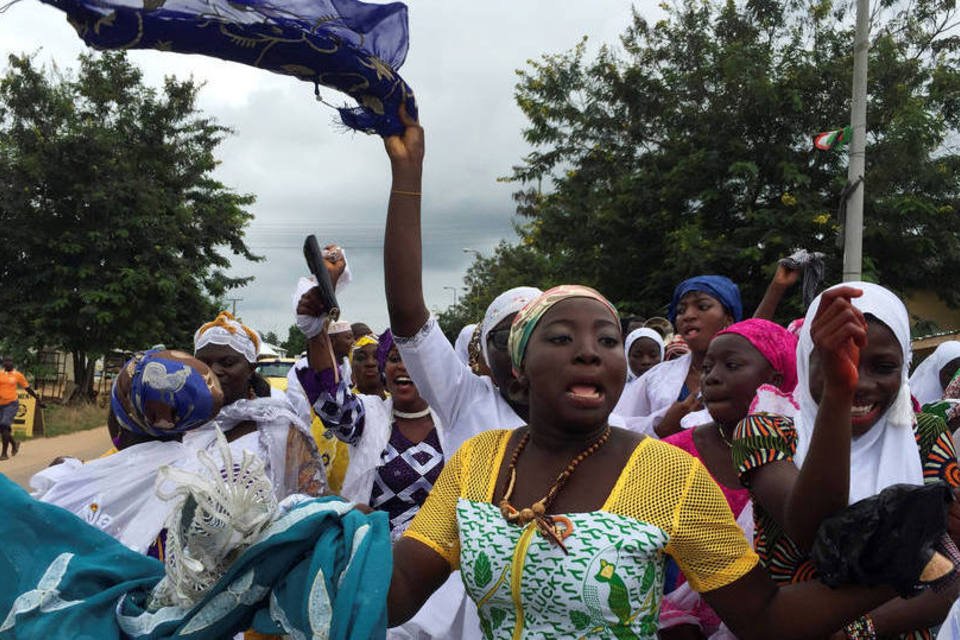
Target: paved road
37 454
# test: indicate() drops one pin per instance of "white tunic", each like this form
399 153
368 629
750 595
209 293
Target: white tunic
645 400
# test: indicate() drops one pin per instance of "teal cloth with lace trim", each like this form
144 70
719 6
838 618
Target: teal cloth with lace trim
319 568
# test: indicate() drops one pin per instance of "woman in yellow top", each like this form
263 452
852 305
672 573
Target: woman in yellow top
560 529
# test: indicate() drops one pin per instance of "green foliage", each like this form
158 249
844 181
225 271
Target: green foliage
510 266
688 149
271 338
60 420
296 342
115 228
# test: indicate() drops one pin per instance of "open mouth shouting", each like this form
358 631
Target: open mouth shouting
403 382
586 395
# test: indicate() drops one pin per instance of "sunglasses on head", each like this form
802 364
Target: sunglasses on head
499 338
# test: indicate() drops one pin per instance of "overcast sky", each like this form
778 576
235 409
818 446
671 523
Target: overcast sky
311 177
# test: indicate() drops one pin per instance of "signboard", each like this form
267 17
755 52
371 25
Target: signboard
26 415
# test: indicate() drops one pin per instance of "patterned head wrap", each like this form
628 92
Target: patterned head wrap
363 341
774 343
502 307
720 287
528 317
163 393
383 348
227 331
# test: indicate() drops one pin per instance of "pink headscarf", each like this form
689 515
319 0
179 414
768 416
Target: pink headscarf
775 343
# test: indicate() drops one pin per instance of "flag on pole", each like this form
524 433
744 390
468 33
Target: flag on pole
830 139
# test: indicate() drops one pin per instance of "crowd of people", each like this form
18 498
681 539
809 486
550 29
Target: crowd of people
557 473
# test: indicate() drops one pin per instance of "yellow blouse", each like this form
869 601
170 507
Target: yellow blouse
664 502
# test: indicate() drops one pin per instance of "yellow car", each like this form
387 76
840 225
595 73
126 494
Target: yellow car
275 370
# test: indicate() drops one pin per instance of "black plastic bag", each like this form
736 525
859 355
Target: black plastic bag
886 539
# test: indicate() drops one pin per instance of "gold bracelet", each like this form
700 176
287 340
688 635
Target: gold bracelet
399 192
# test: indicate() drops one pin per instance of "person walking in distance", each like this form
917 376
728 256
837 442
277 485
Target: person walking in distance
10 379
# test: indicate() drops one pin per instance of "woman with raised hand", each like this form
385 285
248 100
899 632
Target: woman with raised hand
397 451
466 403
657 402
852 433
560 528
396 445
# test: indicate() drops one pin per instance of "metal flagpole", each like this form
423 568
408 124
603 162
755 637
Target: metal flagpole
853 226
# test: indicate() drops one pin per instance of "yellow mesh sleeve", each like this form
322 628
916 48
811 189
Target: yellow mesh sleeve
705 540
435 525
665 486
468 475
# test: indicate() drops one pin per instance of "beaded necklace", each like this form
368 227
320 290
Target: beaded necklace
548 525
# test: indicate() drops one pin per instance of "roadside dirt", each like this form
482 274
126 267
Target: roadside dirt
36 454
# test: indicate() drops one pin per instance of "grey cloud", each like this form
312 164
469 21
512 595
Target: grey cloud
311 177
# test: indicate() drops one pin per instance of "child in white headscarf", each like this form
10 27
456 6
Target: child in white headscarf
851 434
644 350
933 374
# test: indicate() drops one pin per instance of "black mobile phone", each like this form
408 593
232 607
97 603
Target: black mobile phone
314 257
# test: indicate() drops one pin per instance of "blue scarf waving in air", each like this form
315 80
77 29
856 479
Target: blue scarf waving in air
351 46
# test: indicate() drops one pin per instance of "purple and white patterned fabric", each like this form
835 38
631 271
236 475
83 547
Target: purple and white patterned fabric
405 477
341 411
406 471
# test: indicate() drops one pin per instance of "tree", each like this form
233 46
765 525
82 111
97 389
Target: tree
688 150
115 228
270 337
296 342
510 266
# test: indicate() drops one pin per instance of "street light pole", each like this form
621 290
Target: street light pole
234 301
853 224
454 289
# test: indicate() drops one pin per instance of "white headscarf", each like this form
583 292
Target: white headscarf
633 336
886 454
227 331
925 381
463 342
505 304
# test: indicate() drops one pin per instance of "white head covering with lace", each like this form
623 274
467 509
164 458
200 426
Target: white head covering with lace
227 331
